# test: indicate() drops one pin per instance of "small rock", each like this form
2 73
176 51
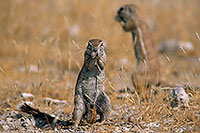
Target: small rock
54 101
152 124
125 128
117 130
188 46
5 127
174 46
180 97
27 96
170 45
31 68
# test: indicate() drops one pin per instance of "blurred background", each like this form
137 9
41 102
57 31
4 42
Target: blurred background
42 44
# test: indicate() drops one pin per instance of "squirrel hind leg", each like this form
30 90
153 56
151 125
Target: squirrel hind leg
103 107
79 110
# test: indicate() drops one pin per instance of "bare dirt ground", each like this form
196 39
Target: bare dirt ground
41 53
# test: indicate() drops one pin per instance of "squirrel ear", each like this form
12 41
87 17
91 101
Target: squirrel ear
101 44
90 44
104 44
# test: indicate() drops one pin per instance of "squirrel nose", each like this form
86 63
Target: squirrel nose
93 54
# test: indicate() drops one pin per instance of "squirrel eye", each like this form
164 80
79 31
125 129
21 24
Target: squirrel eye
130 10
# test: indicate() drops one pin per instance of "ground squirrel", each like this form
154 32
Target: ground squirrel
90 99
147 69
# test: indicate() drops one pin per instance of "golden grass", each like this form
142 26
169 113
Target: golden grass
42 45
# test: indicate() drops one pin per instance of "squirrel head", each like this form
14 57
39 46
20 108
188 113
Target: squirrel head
128 16
95 57
95 48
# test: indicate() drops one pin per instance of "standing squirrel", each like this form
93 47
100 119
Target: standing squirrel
147 71
90 99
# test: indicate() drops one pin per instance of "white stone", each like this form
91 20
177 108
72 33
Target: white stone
175 46
27 95
31 68
180 97
54 101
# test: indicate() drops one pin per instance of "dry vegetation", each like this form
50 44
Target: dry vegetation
41 52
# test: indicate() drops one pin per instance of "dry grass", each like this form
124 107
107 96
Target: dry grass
42 45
